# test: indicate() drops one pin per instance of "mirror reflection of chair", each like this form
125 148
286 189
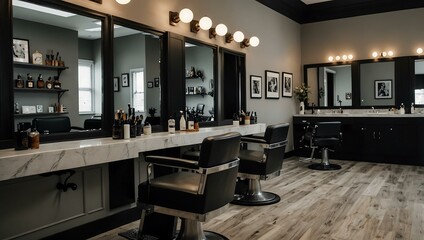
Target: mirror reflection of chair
261 165
323 136
198 192
200 108
53 125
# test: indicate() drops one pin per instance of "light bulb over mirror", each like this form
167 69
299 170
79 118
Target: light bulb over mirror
123 2
330 58
186 15
419 50
238 36
221 29
205 23
254 41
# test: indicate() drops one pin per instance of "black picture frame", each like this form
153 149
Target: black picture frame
255 87
156 82
125 78
20 50
287 84
383 89
150 84
116 84
272 83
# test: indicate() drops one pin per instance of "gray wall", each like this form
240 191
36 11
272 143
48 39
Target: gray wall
376 71
342 85
153 71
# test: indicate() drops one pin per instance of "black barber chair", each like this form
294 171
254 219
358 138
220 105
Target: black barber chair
53 125
198 191
261 165
323 136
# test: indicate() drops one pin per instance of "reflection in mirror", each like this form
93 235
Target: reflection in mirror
419 81
200 81
61 52
377 80
330 85
137 72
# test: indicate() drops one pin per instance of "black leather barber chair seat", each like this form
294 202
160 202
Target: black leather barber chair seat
323 136
198 191
261 165
53 125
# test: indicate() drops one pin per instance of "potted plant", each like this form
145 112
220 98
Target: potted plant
301 93
152 111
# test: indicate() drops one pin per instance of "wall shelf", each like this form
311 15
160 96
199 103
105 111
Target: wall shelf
36 66
39 114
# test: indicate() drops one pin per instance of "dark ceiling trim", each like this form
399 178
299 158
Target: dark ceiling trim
302 13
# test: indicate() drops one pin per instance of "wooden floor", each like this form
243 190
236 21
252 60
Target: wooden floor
360 201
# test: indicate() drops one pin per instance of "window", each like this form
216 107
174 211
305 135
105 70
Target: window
138 98
85 86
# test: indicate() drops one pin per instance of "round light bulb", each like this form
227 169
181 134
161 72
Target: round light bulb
205 23
330 58
350 56
384 54
123 1
374 54
254 41
337 58
186 15
390 53
419 50
221 29
344 57
238 36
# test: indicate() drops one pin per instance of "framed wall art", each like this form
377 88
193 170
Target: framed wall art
383 89
287 84
116 84
20 50
272 82
255 86
125 80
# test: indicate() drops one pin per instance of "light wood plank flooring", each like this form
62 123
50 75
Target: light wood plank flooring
361 201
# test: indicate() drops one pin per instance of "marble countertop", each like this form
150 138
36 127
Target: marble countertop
74 154
382 114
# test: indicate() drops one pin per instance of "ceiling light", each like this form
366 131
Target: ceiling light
205 23
254 41
123 2
238 36
221 29
330 58
419 50
42 9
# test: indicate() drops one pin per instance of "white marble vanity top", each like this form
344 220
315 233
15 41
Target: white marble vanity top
381 114
74 154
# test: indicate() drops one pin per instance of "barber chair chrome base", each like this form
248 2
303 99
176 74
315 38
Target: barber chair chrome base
252 195
325 163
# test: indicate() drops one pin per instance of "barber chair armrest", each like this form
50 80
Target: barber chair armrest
172 162
77 128
253 139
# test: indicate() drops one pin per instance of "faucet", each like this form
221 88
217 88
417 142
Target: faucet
313 110
340 103
372 109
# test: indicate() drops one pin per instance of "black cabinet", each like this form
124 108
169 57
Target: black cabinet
397 140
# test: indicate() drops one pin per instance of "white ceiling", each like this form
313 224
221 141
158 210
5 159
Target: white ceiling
313 1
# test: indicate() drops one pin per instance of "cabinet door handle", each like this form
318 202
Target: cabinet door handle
379 135
373 135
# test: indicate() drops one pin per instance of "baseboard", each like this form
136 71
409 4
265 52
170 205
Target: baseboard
99 226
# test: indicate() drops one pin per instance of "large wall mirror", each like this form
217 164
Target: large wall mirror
377 81
419 82
137 70
58 68
330 85
200 80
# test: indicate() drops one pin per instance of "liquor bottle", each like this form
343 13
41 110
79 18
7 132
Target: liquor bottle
40 81
182 122
19 82
56 83
30 82
49 83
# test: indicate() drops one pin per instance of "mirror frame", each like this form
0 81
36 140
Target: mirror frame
6 69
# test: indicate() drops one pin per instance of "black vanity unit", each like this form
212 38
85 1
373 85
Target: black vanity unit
385 139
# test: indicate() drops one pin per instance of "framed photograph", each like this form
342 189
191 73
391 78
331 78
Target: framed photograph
116 84
190 90
20 50
348 95
255 86
272 83
150 84
156 82
287 84
383 89
125 80
39 108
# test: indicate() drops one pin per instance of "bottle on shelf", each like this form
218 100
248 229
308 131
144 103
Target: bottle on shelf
30 82
19 82
236 120
171 125
56 83
402 109
412 108
49 83
247 118
40 81
190 122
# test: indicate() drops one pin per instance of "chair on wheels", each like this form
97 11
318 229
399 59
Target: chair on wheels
261 165
323 136
200 190
200 108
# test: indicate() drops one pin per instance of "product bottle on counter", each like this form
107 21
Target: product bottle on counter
34 139
402 109
236 120
242 116
182 122
247 118
412 108
171 125
147 130
30 82
21 137
40 81
190 122
126 130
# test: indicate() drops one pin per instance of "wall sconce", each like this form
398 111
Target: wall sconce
229 38
245 43
419 51
205 23
123 2
219 30
253 41
344 57
185 16
383 54
194 26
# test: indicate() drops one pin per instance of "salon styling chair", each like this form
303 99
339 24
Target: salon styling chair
54 125
263 164
323 136
197 191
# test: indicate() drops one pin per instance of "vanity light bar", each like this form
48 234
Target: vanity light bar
383 54
344 57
